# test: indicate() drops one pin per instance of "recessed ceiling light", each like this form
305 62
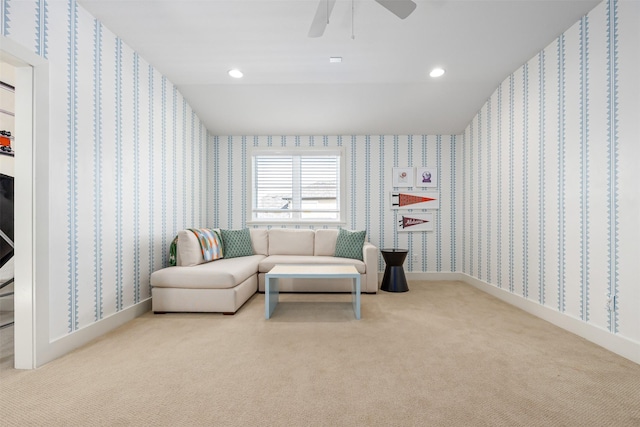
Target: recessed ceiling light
335 59
436 72
235 73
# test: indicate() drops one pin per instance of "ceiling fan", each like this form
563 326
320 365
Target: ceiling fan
400 8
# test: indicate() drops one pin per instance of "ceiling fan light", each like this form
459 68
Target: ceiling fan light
235 73
437 72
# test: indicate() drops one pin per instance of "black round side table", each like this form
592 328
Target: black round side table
394 279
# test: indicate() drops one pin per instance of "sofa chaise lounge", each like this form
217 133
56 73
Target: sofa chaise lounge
224 285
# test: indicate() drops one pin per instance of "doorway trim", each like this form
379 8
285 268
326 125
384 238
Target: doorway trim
31 286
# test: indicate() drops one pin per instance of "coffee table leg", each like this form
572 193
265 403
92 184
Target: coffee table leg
271 296
356 296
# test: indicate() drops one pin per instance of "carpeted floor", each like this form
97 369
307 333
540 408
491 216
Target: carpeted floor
442 354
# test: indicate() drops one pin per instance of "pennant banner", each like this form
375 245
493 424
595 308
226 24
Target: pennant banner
415 222
415 200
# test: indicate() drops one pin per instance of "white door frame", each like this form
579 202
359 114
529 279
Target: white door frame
31 286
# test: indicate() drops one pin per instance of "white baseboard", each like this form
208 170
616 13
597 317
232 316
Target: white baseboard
66 344
622 346
434 275
429 275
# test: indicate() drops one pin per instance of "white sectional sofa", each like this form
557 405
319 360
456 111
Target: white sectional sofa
226 284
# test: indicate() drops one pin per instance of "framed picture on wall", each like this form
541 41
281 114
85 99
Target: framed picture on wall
426 177
415 200
414 222
402 177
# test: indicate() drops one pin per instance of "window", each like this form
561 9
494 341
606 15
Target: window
297 186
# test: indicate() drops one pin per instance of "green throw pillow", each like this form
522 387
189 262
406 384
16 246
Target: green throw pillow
236 243
349 244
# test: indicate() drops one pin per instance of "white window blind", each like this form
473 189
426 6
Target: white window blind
303 186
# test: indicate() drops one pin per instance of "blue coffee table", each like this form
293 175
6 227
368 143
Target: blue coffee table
282 271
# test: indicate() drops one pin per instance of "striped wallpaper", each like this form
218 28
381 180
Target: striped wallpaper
549 195
128 164
370 160
538 195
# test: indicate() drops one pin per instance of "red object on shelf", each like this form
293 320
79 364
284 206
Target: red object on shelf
5 141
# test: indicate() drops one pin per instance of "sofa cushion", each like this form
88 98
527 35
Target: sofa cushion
188 251
236 243
269 262
221 274
349 244
325 242
260 241
284 241
210 243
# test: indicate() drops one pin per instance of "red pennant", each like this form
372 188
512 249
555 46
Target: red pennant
410 199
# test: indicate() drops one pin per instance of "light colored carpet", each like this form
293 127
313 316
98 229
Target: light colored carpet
442 354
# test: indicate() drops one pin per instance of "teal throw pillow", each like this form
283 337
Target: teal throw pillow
349 244
236 243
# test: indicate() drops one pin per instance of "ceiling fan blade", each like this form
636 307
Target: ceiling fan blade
321 18
400 8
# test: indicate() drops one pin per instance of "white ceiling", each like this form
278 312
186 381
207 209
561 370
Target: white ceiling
381 87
